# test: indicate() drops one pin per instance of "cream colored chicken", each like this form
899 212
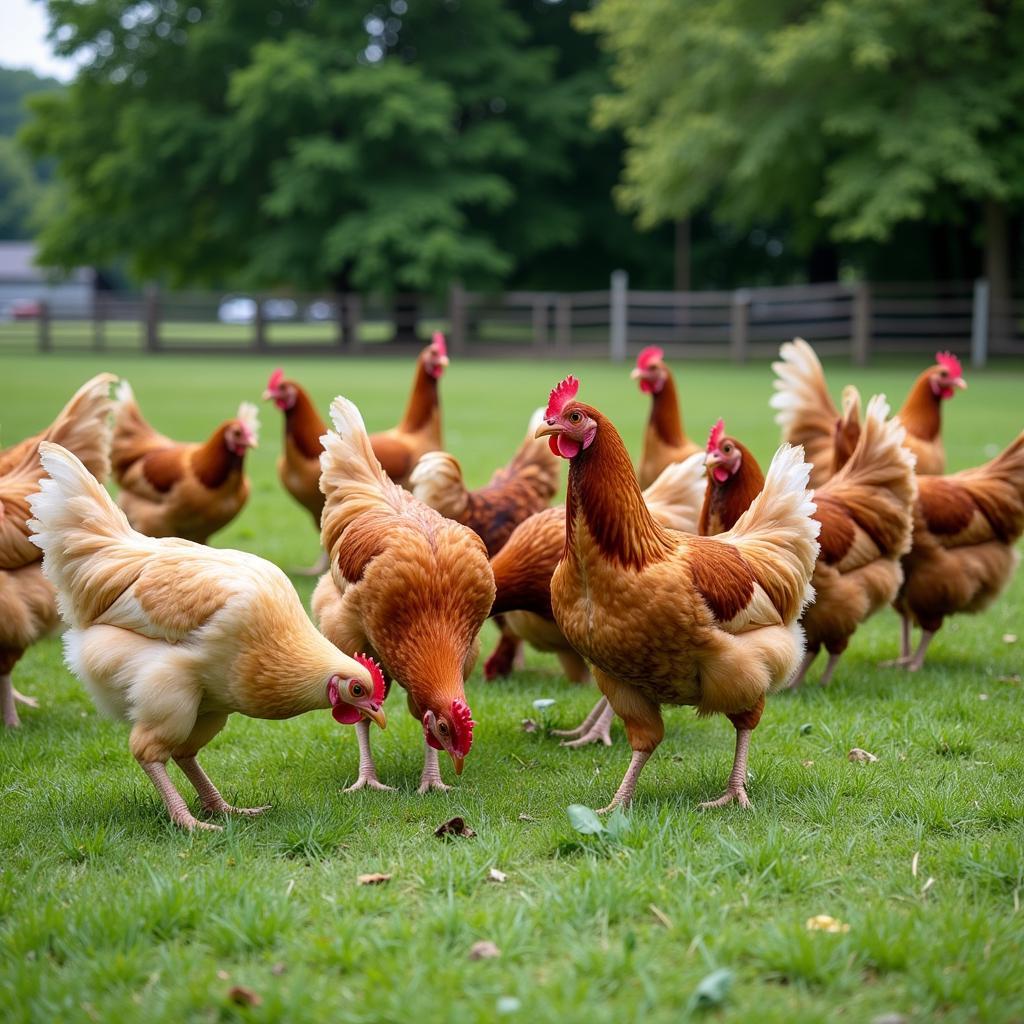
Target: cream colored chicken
173 636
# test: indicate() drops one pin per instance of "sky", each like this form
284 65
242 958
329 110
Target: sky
23 43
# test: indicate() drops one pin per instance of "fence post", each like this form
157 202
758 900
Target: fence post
353 316
259 327
861 339
45 341
151 317
563 323
457 318
540 323
739 324
99 342
979 323
619 315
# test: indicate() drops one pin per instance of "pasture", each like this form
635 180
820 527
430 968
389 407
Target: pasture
109 913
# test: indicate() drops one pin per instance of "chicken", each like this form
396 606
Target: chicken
522 576
406 584
665 440
28 602
963 552
515 492
668 618
399 449
173 636
734 481
808 416
175 489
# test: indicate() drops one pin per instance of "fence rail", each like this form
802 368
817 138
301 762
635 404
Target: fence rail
856 319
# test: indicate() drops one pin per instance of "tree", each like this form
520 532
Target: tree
845 119
350 145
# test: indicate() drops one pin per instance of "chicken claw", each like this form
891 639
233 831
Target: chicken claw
736 789
367 769
209 796
8 698
29 702
598 731
624 794
739 794
431 776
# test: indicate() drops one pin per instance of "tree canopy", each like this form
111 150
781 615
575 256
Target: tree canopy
846 119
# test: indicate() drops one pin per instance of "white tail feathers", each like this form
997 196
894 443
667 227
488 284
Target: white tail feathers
84 536
123 393
777 534
675 498
851 402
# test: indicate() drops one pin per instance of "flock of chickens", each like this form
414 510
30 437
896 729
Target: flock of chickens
696 579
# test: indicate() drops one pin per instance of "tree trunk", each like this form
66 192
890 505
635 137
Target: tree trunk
997 268
823 263
406 316
341 286
683 276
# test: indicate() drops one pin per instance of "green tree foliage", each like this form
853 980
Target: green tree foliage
845 118
389 147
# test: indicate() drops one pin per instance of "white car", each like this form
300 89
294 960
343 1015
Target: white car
237 309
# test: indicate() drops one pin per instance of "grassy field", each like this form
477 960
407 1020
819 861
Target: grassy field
109 914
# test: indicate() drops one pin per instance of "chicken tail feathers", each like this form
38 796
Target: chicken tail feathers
84 536
676 496
437 481
84 426
804 407
777 536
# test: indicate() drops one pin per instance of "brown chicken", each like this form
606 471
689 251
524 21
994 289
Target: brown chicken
28 601
173 636
808 416
963 555
406 584
175 489
515 492
665 440
522 577
668 618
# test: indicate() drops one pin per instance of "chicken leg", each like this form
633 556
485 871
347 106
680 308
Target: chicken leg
830 667
644 729
797 681
595 728
904 657
7 702
209 797
367 769
736 789
431 775
173 800
917 661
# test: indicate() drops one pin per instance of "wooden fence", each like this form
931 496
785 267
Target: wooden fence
852 319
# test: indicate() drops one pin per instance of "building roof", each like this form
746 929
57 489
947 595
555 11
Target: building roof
18 264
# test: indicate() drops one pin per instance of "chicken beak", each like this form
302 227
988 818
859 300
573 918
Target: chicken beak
636 373
959 382
547 429
443 361
268 395
711 462
377 715
458 762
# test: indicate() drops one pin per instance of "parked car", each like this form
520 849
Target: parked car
279 309
237 309
320 310
25 309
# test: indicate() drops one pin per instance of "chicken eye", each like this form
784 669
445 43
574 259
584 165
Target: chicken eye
442 728
727 448
356 689
575 417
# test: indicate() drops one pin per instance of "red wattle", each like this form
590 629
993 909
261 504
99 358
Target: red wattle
720 473
346 714
646 387
567 447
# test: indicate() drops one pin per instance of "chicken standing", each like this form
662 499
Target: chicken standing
963 554
515 492
28 601
406 584
522 577
665 440
667 618
174 636
808 416
175 489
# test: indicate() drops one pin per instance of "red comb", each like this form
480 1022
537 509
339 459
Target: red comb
561 394
716 435
651 354
275 379
375 674
950 362
437 340
464 723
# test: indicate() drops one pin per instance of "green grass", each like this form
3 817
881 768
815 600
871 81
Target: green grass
109 914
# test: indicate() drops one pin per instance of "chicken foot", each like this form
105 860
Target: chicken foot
173 800
431 775
736 789
367 769
209 796
917 661
904 657
624 793
8 697
830 667
595 728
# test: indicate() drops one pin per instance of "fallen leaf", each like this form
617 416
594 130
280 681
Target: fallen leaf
927 885
507 1004
529 725
889 1018
376 878
544 703
278 969
982 696
712 989
527 817
223 975
484 950
454 827
1015 679
660 914
824 923
913 864
242 996
805 728
495 875
860 755
807 764
1009 638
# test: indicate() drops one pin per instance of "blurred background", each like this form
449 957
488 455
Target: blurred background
533 176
